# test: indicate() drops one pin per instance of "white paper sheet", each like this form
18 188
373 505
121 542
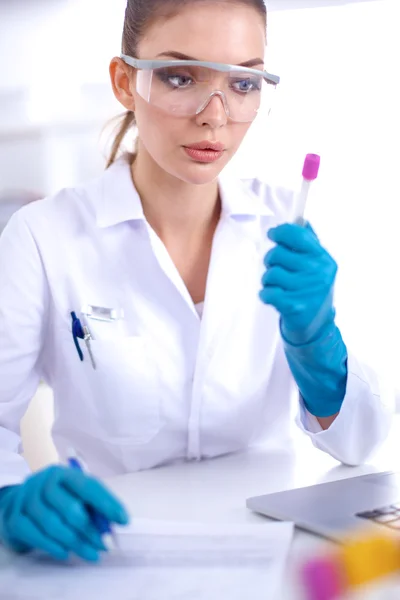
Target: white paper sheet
158 560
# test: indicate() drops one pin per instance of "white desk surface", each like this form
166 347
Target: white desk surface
216 490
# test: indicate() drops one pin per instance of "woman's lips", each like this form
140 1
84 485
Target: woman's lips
205 152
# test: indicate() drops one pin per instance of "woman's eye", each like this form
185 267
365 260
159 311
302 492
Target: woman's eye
174 80
246 85
179 81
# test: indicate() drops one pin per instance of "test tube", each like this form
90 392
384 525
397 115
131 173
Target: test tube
310 173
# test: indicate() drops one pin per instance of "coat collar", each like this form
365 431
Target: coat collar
116 199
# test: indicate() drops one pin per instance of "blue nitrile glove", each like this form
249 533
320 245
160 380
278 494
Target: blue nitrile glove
299 283
48 512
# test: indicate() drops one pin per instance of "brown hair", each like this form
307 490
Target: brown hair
139 15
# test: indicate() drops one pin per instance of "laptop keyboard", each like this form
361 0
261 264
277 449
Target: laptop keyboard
389 516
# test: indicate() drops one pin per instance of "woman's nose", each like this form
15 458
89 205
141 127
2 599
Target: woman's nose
214 112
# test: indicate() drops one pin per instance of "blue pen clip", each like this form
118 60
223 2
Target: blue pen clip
77 333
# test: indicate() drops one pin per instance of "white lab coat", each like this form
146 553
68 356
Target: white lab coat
168 385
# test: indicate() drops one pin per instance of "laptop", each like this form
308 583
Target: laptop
334 509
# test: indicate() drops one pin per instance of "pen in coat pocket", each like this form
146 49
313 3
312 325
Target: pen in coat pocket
83 333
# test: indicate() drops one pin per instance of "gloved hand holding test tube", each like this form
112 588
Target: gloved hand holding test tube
299 282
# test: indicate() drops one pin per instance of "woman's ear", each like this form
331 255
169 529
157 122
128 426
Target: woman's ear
122 80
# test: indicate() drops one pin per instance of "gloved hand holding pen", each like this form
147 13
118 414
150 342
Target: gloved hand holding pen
299 283
51 512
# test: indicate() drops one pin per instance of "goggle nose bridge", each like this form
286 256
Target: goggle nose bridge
221 95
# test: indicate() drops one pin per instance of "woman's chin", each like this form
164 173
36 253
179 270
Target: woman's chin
200 173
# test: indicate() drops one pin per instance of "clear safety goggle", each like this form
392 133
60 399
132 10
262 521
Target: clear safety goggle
186 87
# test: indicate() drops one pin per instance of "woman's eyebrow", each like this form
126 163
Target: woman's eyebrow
179 56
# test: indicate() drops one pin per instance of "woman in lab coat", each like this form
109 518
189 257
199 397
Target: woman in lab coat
168 323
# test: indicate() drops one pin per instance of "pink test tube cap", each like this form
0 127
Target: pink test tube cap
322 579
311 167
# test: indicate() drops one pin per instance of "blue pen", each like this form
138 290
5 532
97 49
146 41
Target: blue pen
101 523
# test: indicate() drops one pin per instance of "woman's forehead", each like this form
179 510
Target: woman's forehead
208 32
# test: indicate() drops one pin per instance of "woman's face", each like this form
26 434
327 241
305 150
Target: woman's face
210 31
